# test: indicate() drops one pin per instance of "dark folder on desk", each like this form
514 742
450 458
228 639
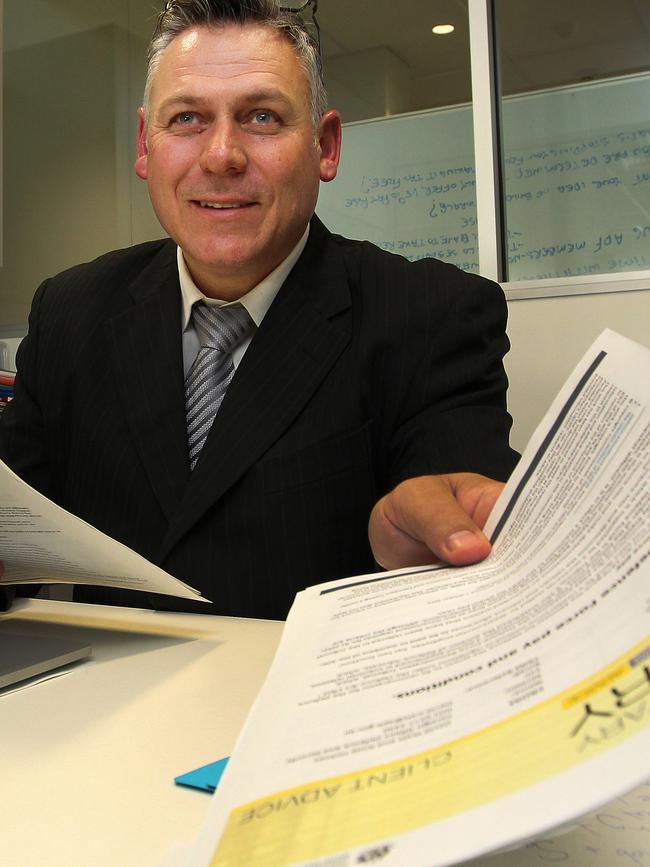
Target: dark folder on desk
23 656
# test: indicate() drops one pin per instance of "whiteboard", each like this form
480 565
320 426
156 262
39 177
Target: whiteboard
577 163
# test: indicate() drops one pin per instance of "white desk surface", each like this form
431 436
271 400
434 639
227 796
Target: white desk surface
88 759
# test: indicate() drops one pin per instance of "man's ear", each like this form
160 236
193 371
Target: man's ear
329 139
141 161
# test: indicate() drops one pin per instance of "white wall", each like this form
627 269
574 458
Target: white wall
64 199
548 338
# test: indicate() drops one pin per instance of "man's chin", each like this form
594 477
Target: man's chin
230 270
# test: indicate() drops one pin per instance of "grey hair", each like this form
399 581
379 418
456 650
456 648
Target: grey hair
180 15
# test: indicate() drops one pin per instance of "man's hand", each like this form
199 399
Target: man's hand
432 518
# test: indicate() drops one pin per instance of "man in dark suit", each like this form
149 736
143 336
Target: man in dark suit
365 421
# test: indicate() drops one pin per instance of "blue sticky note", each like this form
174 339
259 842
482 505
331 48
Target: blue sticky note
205 778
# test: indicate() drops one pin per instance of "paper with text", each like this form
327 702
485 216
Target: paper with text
437 714
42 543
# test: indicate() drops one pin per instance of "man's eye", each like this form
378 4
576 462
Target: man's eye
185 118
264 117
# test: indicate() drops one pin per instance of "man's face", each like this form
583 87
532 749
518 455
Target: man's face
230 155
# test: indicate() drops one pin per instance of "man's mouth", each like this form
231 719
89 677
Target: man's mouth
221 206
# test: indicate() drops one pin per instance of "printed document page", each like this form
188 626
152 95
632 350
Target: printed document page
434 714
42 543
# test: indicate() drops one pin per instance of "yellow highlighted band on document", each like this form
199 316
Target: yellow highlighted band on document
337 813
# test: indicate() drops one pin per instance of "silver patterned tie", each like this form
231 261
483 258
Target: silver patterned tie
220 330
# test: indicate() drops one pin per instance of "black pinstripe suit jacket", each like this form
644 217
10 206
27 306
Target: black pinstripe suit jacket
366 370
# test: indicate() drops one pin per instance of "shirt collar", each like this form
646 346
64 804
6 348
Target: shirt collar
257 301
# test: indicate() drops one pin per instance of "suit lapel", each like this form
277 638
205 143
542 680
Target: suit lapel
300 338
146 351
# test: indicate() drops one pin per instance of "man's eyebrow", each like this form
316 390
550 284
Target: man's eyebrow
250 98
181 99
263 94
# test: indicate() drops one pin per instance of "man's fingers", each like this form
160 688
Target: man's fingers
391 546
433 517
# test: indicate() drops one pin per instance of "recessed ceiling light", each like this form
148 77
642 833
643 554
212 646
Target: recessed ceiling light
443 29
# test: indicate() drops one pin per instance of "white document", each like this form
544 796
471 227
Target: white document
42 543
425 716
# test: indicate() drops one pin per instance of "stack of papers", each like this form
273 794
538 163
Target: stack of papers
41 542
426 716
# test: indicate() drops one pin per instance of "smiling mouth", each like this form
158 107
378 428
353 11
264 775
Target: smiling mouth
225 207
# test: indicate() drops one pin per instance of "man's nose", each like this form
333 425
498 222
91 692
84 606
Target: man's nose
224 151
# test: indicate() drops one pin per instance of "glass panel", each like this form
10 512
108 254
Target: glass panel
577 136
407 183
381 57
